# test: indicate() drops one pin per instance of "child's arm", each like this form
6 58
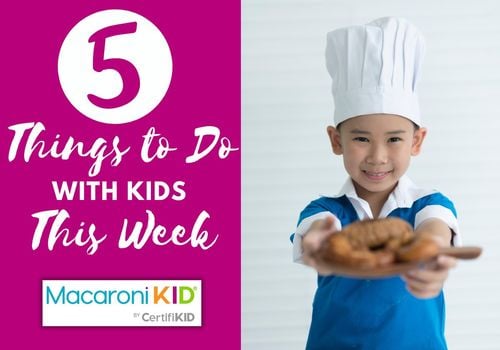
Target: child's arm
428 282
437 230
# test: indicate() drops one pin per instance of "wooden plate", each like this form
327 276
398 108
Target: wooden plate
400 268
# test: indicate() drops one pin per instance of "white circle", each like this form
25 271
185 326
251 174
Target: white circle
146 49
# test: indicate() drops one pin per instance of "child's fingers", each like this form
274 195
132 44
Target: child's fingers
441 264
425 292
428 281
423 288
319 266
426 275
328 223
312 241
421 282
308 260
446 262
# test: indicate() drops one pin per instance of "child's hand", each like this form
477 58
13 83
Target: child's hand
427 282
312 242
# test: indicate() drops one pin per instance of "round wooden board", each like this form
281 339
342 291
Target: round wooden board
400 268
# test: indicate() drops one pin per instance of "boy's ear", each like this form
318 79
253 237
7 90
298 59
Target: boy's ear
418 139
334 136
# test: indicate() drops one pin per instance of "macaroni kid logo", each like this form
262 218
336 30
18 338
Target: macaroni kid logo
121 303
163 294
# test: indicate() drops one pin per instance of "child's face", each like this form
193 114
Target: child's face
376 149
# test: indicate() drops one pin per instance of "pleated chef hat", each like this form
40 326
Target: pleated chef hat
375 68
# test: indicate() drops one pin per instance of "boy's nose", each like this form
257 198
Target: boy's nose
377 155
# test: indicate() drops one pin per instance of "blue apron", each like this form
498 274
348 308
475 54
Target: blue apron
377 314
374 314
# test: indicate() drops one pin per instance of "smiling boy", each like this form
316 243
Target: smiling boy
377 130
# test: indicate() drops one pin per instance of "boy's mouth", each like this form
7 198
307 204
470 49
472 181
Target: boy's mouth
376 175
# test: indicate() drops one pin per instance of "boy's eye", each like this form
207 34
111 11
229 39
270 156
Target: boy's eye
361 139
395 139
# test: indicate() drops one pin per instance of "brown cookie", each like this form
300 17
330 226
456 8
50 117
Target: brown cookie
380 242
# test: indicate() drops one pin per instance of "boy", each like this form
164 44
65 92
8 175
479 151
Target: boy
375 69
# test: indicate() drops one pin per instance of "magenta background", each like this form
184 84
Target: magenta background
204 38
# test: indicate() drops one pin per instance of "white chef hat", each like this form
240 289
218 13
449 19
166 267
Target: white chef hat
375 68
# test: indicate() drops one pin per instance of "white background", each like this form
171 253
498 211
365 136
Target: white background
287 160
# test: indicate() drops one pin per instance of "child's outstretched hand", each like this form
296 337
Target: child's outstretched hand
311 244
427 282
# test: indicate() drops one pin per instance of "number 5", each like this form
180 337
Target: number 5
127 71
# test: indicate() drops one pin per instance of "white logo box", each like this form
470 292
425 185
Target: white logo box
112 303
